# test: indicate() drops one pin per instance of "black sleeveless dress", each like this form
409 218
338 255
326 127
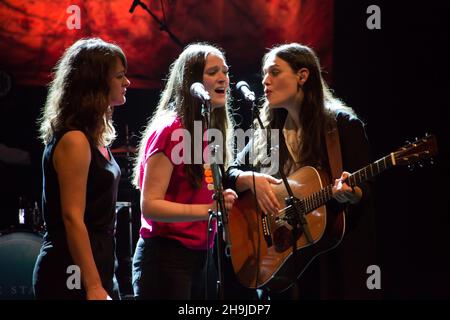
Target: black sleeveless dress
51 273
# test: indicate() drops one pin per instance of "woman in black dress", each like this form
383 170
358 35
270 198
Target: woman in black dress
80 175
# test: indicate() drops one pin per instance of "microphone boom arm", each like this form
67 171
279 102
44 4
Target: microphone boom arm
162 25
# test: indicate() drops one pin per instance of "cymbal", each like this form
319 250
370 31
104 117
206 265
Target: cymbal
124 149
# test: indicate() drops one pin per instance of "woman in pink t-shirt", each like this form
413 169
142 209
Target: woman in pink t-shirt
172 259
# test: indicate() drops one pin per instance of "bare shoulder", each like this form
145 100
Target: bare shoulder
74 139
74 145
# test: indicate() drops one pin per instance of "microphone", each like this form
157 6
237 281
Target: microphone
198 90
134 5
244 89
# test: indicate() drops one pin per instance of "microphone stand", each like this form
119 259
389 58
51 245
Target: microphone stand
162 25
255 114
221 215
298 220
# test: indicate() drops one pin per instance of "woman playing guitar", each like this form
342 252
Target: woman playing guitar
299 103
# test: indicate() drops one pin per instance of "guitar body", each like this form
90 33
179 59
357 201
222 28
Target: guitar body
262 247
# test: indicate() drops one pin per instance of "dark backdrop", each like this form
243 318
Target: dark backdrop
397 80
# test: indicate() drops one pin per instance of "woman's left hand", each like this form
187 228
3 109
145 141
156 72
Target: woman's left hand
343 193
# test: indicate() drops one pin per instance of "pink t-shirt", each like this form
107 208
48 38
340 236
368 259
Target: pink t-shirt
192 235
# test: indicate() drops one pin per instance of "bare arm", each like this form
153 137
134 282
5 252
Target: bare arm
157 173
71 161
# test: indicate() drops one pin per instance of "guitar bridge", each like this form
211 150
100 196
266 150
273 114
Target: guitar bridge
266 230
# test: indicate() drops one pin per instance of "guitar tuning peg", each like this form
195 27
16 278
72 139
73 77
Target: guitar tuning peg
420 164
411 167
416 139
431 161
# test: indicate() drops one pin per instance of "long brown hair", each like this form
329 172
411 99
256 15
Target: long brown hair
319 107
177 100
78 95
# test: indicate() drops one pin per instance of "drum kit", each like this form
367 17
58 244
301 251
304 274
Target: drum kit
124 156
128 217
19 247
20 243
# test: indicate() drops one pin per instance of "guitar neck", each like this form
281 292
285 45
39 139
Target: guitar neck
319 198
371 170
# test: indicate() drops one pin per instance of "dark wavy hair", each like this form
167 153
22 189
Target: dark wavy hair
176 99
78 95
318 109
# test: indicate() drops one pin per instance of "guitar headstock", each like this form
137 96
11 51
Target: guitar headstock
420 149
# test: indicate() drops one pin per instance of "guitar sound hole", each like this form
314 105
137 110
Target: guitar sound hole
282 237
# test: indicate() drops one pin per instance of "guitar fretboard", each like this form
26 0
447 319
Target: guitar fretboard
319 198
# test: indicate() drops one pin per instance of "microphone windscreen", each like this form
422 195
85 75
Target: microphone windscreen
242 84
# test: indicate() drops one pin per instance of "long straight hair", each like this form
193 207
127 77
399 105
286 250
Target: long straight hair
176 100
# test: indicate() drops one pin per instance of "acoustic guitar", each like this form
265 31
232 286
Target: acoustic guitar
263 250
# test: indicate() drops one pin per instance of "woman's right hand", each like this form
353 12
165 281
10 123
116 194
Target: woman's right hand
265 196
97 293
